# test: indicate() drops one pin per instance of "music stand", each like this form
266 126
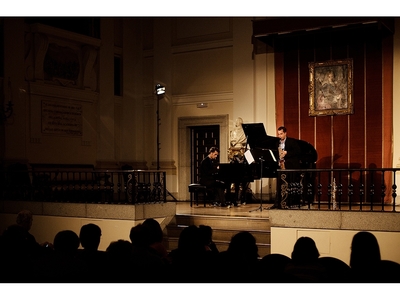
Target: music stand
259 155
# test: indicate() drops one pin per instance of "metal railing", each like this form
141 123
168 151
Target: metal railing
77 186
338 189
322 189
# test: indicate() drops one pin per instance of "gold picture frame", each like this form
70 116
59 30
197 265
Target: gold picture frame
331 88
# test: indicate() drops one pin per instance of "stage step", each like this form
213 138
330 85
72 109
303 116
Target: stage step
224 228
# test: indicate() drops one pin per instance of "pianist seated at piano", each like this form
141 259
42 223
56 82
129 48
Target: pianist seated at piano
208 172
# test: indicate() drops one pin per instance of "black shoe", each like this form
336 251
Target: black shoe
274 207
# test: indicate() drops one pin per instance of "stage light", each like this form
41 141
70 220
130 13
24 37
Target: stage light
160 90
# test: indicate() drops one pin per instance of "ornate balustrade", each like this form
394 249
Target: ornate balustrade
338 189
84 185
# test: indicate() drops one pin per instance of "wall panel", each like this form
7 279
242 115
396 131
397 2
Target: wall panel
291 88
307 131
373 109
202 72
342 141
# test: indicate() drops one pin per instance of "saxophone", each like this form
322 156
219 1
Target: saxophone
281 157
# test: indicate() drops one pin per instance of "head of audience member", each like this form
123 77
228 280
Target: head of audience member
337 271
14 241
119 261
25 219
206 233
89 236
243 246
364 250
275 262
15 256
305 251
190 241
66 242
155 237
120 249
138 236
155 233
272 267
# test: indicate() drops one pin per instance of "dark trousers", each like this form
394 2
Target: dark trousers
218 189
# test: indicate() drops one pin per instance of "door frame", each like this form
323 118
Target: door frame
194 169
184 157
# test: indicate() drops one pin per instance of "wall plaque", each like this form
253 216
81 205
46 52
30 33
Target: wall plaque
61 118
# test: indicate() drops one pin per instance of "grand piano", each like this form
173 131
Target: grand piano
263 149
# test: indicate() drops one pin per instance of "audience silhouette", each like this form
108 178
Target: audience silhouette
149 257
366 264
93 260
337 271
19 250
206 233
191 262
155 239
364 257
120 262
16 255
90 236
239 263
304 265
145 259
272 268
62 265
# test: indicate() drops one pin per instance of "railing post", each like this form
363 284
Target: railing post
394 193
350 189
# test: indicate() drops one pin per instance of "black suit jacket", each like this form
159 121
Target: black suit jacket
292 157
207 170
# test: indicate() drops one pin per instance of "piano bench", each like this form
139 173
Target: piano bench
195 189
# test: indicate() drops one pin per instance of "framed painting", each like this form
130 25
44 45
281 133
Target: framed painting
331 88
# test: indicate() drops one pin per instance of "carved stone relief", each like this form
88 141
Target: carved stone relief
55 58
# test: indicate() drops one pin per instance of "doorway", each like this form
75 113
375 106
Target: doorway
185 125
202 138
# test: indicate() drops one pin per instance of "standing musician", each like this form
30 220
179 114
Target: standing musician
289 152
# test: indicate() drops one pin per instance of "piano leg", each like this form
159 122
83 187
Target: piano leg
229 196
242 195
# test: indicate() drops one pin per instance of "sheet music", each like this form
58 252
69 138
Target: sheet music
249 157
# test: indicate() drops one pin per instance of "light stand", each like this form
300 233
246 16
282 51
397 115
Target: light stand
6 109
160 90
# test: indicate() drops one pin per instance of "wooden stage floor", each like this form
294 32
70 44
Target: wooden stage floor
253 210
247 210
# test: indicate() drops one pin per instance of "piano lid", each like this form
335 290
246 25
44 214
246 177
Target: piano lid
257 136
